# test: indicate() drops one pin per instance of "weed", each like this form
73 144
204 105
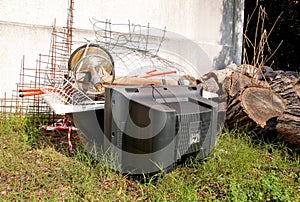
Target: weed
242 168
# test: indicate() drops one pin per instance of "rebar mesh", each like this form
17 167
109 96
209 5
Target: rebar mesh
135 48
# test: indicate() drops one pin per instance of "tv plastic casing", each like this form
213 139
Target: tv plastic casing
145 129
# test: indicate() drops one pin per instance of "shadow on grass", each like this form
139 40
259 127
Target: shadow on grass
268 140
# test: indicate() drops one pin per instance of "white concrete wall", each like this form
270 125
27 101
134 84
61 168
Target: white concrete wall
213 25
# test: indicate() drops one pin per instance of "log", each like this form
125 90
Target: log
213 81
288 126
250 71
235 83
227 83
288 88
262 104
297 88
253 107
259 99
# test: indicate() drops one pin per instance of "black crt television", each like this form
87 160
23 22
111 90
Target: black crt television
151 128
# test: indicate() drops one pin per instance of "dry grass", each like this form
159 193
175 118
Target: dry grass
261 53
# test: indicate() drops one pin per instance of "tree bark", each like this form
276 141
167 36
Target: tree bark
288 88
288 126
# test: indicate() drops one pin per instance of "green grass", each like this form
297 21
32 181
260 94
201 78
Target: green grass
242 168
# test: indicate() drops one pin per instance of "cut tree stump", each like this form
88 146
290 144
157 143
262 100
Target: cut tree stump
262 104
236 83
253 107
